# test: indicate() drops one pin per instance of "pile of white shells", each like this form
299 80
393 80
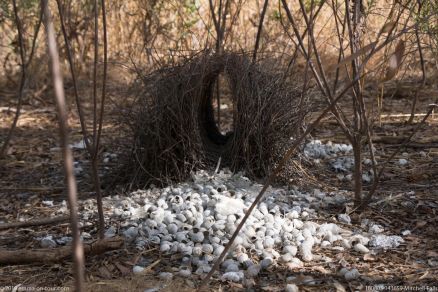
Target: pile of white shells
339 157
196 219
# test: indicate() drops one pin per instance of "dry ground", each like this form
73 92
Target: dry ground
32 172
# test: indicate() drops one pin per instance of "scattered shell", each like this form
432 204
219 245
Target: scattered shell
406 232
185 272
351 275
48 242
165 276
385 242
359 247
137 269
344 218
265 263
233 276
292 288
253 270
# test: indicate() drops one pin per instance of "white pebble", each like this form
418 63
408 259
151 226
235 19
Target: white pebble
185 272
376 228
172 228
325 244
361 248
268 242
351 275
344 218
306 250
406 232
232 267
291 249
233 276
48 242
137 269
253 270
207 248
265 263
287 257
242 257
165 276
292 288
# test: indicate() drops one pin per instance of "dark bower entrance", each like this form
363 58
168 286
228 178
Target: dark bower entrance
216 131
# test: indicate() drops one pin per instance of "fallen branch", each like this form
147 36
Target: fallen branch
52 255
36 222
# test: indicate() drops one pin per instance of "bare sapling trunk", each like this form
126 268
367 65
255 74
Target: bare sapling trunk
55 70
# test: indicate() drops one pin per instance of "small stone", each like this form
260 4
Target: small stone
233 276
325 244
48 203
232 268
287 257
131 234
48 242
265 263
361 248
137 269
406 232
376 228
402 162
295 263
291 249
343 271
344 218
165 276
110 232
292 288
185 272
351 275
253 270
385 242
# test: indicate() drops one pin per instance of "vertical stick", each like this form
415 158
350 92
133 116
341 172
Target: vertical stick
95 158
22 81
259 30
55 70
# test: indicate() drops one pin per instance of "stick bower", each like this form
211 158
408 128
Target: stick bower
173 126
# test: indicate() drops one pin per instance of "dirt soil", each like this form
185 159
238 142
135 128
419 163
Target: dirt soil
407 199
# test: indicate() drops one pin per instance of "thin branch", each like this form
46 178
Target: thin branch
35 222
22 81
402 146
96 57
73 76
55 70
322 83
95 161
423 77
215 21
259 30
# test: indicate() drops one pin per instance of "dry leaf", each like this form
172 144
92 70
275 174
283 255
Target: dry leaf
420 224
104 272
388 26
123 269
368 257
338 286
395 61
